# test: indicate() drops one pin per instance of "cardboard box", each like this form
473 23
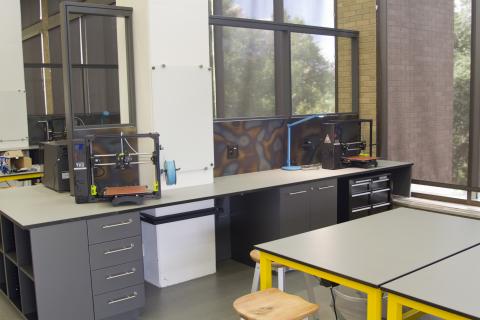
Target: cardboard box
17 161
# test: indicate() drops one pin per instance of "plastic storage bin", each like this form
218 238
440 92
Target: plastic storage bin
351 304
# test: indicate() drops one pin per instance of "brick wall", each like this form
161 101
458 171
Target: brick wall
359 15
420 85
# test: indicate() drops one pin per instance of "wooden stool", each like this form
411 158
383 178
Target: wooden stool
273 304
255 255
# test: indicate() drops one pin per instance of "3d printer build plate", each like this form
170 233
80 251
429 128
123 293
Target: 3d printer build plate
125 191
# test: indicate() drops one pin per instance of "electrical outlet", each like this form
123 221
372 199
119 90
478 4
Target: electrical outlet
232 151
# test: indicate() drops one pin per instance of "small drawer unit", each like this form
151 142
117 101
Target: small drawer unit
113 227
369 195
116 263
120 301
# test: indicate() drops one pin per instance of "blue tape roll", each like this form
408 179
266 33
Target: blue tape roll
170 172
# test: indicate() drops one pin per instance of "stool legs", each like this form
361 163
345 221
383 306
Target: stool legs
256 278
281 278
310 283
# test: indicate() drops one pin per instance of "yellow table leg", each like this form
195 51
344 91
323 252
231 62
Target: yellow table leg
265 271
374 295
396 303
374 304
394 311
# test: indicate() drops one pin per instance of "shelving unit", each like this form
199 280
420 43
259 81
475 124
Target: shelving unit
16 270
369 195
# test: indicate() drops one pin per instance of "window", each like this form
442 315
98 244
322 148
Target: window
312 12
313 74
281 58
432 119
94 46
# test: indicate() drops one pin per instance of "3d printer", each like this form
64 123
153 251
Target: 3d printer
343 146
107 168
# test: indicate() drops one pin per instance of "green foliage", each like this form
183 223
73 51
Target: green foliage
249 72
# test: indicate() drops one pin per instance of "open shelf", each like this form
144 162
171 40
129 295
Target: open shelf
1 239
3 281
8 236
16 269
13 284
27 293
23 250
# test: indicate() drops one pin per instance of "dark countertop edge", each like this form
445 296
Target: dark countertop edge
153 206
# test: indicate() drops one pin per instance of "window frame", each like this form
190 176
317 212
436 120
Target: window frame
473 171
282 59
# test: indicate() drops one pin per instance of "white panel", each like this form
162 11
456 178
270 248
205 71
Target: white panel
13 108
182 106
13 120
185 250
181 208
180 32
11 62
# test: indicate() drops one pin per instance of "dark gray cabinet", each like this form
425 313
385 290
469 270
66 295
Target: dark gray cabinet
322 204
87 269
293 212
281 212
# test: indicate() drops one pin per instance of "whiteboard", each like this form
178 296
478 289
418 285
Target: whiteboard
13 120
182 110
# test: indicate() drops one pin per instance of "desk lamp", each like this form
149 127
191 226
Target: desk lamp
289 166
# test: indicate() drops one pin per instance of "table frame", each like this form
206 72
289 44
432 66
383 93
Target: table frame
374 294
396 304
24 176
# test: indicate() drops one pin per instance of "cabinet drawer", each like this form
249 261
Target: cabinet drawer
294 191
115 252
323 185
114 227
118 302
118 277
360 212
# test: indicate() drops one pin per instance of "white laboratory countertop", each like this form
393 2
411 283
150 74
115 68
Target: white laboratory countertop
380 248
35 206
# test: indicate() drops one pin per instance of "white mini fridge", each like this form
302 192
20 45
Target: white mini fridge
179 243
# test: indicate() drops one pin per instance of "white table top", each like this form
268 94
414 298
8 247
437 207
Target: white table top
34 206
379 248
452 284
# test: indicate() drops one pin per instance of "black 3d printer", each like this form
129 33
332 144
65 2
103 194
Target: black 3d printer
342 144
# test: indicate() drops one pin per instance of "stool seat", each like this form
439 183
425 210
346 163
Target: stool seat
255 256
273 304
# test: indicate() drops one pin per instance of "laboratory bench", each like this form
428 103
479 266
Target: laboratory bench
62 260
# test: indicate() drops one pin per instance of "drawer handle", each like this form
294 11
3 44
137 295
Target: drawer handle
119 250
298 192
327 187
120 275
381 205
360 194
381 190
363 181
123 223
360 209
381 180
360 184
130 297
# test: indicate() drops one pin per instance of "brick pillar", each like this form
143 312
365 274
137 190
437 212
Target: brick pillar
359 15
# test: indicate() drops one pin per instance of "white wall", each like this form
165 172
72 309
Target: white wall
173 82
13 107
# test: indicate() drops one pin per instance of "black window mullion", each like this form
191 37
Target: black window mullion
474 134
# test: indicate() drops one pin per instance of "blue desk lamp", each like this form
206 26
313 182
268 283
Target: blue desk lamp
289 166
